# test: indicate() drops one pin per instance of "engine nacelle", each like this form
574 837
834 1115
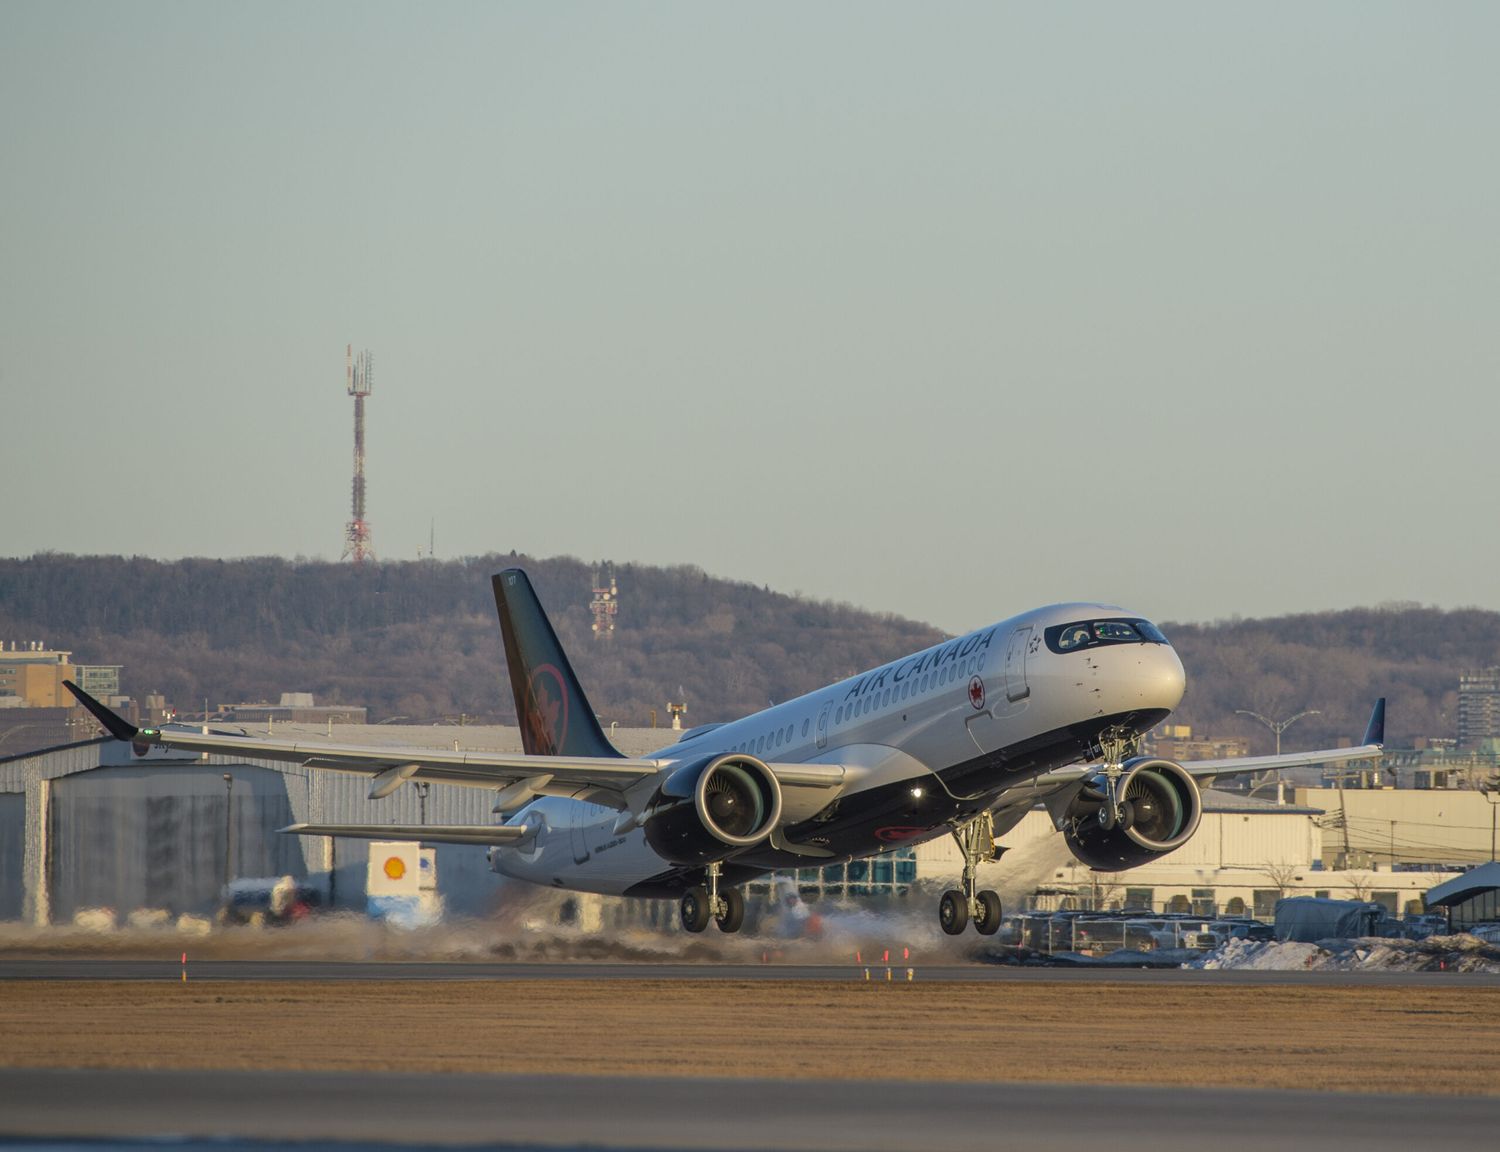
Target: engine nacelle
1160 805
713 809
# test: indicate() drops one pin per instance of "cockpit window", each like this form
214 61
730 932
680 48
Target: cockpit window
1096 633
1073 636
1150 631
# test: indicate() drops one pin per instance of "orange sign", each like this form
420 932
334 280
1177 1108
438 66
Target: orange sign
395 867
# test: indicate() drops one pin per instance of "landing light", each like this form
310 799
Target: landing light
917 793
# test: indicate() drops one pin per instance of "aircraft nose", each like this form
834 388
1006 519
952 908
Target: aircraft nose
1144 678
1169 677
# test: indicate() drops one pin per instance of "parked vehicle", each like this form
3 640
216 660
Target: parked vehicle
1424 925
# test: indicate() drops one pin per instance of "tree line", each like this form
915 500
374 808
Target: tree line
419 640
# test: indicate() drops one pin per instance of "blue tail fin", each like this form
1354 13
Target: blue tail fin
1375 729
555 716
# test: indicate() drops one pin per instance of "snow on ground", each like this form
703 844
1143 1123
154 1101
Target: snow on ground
1463 953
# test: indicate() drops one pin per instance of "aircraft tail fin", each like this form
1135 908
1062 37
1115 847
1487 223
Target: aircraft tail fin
555 716
1375 729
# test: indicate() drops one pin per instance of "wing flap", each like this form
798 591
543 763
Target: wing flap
480 834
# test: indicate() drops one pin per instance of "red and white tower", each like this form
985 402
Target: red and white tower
357 546
605 604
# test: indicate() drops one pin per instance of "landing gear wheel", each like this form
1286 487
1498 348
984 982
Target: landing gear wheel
986 913
953 912
1127 815
733 913
695 909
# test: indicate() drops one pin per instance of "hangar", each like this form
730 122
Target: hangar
1470 899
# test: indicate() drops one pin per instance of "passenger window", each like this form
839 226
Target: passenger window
886 699
805 726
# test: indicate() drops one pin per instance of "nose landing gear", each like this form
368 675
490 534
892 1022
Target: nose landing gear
976 840
700 905
1115 811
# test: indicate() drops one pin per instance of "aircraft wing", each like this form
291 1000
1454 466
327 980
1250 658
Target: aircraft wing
1371 745
518 777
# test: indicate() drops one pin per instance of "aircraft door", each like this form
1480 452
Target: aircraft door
823 726
1016 687
578 823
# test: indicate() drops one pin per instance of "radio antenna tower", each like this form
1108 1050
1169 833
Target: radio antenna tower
605 604
357 371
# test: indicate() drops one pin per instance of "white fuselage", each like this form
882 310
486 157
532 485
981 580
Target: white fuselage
940 723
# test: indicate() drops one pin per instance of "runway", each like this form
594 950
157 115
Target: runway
72 968
363 1109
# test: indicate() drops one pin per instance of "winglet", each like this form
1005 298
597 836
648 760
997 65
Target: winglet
1375 730
115 724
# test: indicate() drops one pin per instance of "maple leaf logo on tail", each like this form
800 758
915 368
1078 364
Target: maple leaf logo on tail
547 711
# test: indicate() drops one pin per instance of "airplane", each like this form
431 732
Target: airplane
962 738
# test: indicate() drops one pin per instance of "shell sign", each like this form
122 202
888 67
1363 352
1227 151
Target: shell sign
395 867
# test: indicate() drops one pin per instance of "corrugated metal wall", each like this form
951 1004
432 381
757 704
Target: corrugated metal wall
157 836
12 854
463 874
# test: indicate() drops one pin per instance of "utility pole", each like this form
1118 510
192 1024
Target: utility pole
1490 789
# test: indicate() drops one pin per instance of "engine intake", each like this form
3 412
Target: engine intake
713 809
1160 808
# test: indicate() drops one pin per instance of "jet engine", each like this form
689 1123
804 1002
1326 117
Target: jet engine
1159 809
713 809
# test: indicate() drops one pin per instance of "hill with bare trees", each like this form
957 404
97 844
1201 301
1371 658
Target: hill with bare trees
419 640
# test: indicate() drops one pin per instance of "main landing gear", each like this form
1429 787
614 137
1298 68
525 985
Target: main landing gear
976 840
700 905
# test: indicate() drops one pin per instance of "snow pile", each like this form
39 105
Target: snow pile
1258 954
1462 953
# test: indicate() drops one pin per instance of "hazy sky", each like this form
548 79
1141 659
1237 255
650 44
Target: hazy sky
947 310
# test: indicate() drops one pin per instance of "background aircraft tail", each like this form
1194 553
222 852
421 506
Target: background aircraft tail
555 716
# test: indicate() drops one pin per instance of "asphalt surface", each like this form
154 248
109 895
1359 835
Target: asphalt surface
302 970
354 1109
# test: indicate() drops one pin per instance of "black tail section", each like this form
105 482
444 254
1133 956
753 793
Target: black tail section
1375 729
555 716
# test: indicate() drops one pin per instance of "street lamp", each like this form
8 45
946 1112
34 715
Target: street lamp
1277 726
422 787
